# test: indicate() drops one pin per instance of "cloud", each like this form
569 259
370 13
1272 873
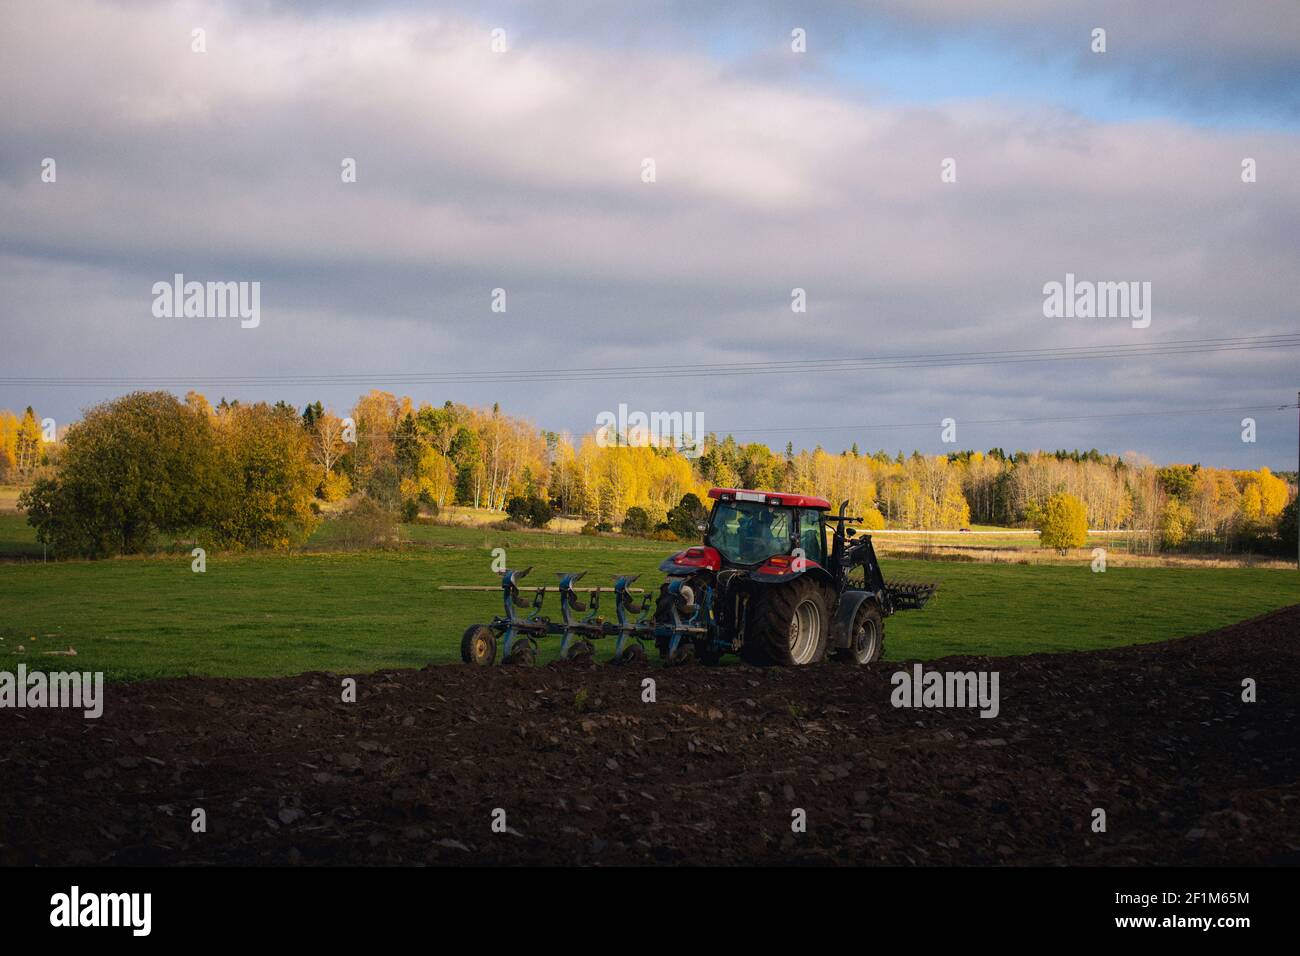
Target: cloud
1207 56
523 171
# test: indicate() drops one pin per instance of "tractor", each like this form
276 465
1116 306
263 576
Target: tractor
763 584
777 593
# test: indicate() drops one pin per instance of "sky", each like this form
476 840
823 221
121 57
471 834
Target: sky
523 170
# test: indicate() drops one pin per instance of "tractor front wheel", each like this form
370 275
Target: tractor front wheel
478 645
867 642
788 624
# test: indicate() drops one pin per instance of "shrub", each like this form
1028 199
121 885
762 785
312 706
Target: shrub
385 487
335 487
541 514
589 528
664 535
366 525
534 511
683 520
656 515
636 521
872 519
1064 522
604 526
410 511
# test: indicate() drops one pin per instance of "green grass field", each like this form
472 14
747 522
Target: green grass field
17 537
268 614
986 538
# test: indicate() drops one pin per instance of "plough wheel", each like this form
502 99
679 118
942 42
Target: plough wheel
478 645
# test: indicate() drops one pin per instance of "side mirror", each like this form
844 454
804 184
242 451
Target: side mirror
702 526
850 532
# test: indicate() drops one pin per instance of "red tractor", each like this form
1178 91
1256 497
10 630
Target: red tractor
765 584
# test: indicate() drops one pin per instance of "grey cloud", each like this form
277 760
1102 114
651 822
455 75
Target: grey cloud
522 172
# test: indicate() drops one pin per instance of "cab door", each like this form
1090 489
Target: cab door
812 535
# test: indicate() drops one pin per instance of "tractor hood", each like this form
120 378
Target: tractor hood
698 558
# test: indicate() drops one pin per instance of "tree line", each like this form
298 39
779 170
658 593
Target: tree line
262 475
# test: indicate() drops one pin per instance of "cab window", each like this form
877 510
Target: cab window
810 535
749 532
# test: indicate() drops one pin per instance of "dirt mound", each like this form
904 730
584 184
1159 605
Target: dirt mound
711 772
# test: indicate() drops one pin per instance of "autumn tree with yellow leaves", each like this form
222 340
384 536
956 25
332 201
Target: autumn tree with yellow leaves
261 471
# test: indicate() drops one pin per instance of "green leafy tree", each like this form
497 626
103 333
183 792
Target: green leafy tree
142 464
407 446
263 494
1287 528
685 516
1177 480
313 413
466 455
384 486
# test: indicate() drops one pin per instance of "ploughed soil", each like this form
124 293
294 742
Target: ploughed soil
586 772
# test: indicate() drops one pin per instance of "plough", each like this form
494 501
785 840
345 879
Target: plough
764 585
517 634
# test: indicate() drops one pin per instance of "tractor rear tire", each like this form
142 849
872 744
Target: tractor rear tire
478 645
867 642
789 624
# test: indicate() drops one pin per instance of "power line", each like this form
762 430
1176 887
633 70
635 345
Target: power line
1014 421
964 423
711 370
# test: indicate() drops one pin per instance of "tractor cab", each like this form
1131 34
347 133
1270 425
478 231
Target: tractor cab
763 532
751 528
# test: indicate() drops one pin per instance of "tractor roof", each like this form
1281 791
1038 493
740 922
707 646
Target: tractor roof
770 497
